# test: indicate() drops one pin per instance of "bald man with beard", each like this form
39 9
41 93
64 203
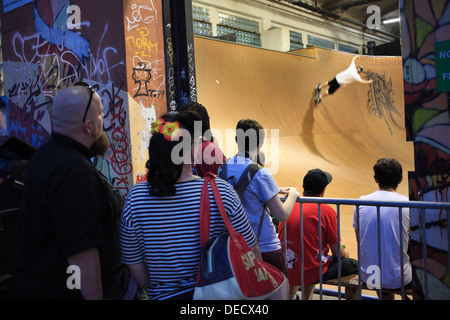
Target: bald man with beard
68 225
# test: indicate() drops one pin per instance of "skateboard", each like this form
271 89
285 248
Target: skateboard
317 95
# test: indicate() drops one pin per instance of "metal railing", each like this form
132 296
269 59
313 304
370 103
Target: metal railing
422 206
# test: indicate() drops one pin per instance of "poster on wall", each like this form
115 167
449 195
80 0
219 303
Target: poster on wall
9 5
443 66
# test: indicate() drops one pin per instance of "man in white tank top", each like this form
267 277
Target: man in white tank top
348 76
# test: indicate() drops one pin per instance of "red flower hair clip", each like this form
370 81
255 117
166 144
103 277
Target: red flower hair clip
170 130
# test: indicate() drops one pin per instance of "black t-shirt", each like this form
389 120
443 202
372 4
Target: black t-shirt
68 206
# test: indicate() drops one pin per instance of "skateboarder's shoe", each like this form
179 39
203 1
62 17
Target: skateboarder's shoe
318 96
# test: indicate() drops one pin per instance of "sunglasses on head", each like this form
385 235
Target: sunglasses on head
91 93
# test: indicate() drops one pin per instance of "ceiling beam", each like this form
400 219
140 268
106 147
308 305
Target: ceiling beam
348 4
328 14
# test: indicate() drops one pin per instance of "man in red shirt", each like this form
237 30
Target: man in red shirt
314 184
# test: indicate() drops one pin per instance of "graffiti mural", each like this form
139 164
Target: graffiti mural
380 100
3 102
144 44
424 23
54 45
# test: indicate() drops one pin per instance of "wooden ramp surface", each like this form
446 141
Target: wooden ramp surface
345 134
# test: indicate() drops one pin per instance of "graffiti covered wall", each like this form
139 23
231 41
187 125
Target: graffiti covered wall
425 23
49 45
144 43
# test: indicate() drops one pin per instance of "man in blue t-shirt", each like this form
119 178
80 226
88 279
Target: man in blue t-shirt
260 198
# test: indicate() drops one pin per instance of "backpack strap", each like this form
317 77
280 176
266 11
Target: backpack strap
223 174
242 184
261 219
246 177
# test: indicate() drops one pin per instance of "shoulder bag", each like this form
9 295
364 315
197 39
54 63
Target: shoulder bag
228 268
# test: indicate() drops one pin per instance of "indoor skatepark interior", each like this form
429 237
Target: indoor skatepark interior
344 135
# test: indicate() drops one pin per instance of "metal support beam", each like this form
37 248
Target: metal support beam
181 86
336 17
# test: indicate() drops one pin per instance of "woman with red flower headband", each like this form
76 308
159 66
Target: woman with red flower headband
160 231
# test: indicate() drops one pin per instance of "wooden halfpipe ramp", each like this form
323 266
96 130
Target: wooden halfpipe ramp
345 134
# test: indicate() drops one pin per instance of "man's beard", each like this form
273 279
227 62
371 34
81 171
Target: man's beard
101 145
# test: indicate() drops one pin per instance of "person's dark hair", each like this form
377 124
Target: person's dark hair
201 110
162 171
388 172
261 159
249 135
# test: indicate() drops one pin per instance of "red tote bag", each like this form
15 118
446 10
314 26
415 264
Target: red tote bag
228 268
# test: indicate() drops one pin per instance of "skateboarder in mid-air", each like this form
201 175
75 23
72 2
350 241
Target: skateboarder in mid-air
349 75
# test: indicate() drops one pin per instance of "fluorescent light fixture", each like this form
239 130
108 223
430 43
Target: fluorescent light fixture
391 20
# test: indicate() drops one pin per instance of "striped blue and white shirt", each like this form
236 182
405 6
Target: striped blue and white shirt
165 232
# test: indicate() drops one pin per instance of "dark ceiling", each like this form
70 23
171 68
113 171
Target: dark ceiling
352 11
